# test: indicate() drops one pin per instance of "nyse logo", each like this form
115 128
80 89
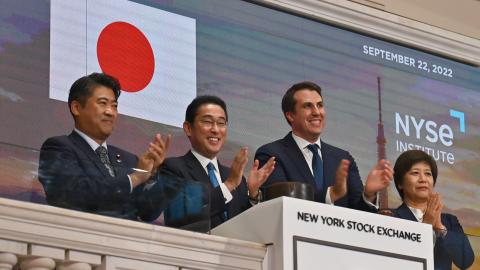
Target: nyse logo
429 130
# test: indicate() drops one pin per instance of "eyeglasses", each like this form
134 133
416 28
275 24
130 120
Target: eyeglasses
209 123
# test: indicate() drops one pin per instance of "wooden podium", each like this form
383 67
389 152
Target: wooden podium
309 235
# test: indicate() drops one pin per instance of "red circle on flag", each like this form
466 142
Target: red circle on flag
124 52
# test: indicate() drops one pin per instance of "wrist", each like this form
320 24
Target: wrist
231 186
255 198
253 194
367 192
333 195
440 232
138 178
370 196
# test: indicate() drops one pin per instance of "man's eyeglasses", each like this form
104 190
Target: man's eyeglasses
209 123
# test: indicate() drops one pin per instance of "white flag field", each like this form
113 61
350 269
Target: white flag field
152 52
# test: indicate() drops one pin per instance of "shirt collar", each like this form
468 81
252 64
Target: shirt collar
302 143
204 160
93 144
418 213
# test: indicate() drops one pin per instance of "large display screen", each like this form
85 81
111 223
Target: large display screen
248 55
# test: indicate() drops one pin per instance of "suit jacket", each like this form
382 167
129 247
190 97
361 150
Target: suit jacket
454 247
292 166
188 167
74 177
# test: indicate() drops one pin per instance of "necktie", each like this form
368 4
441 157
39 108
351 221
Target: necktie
317 166
214 181
103 155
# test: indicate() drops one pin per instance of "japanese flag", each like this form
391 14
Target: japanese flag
152 52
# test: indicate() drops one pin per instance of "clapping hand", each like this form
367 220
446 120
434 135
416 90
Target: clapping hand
339 189
433 212
257 176
378 179
236 171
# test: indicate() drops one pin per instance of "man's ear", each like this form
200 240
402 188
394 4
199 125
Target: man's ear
75 108
289 116
187 128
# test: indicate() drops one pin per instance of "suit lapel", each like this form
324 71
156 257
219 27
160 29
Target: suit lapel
88 151
296 157
224 172
330 164
116 160
195 169
404 212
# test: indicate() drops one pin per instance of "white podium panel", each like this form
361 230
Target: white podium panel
308 235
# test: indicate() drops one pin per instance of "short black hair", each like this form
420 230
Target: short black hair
288 101
199 101
405 162
82 88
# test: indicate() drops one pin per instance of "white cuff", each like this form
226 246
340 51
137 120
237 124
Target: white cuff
328 200
369 203
226 193
130 180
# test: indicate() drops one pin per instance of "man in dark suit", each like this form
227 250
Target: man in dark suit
81 172
302 157
205 125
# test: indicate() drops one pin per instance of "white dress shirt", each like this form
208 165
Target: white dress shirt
204 162
93 144
418 213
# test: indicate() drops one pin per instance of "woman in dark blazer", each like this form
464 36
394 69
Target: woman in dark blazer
415 175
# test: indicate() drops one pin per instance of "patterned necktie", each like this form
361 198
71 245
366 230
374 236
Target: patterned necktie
214 181
317 166
103 155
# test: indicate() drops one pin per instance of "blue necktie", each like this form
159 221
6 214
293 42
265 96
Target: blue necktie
214 181
317 166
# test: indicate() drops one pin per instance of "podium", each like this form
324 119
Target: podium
308 235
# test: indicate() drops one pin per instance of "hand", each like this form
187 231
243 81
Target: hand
257 177
236 171
378 179
151 159
339 189
434 211
158 149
